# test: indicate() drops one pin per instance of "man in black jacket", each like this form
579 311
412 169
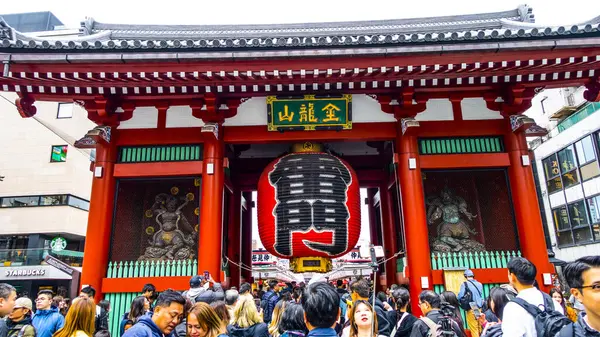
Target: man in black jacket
360 290
583 277
430 302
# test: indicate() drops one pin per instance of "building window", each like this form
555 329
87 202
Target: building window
20 201
568 166
65 110
552 172
594 207
573 223
586 157
59 154
45 200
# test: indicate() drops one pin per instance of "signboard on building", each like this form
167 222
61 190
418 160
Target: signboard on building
309 112
16 273
58 264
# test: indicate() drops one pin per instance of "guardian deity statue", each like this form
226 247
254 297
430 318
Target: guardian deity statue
450 213
174 240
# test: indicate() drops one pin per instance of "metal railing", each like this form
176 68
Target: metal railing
127 269
34 257
472 260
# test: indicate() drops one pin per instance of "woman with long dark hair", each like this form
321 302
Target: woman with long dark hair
80 319
404 325
568 311
292 322
498 299
450 298
139 307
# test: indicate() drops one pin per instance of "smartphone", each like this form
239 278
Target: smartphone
206 275
475 309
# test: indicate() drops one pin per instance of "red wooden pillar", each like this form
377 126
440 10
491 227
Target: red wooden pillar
525 202
415 219
211 209
247 237
234 233
97 243
389 234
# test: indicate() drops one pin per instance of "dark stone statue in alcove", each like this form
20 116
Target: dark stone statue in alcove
174 240
451 215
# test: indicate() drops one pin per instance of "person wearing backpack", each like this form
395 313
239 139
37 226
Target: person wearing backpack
583 277
531 311
471 296
429 325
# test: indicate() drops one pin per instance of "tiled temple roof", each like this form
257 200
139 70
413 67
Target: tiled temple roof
517 24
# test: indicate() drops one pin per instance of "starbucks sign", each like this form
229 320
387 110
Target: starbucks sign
58 244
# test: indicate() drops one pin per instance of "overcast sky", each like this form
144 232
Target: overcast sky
72 12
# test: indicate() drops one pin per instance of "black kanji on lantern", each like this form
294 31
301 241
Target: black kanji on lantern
311 193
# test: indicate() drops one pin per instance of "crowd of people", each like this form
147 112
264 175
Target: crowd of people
517 308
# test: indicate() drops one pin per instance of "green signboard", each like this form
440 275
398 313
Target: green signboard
309 112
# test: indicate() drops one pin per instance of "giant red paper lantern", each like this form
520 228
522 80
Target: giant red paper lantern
309 206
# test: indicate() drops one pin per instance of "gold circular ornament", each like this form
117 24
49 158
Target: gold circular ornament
197 182
190 196
148 213
175 190
197 228
150 230
197 211
307 147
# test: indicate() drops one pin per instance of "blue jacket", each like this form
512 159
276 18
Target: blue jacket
477 292
269 299
47 322
144 327
322 332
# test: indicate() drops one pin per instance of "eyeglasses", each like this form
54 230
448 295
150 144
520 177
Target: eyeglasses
41 299
595 287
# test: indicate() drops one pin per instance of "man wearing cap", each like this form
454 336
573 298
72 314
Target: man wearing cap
476 290
19 320
196 288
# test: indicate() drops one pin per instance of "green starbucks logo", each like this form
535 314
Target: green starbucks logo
58 244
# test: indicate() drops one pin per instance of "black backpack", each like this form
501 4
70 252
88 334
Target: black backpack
465 301
548 322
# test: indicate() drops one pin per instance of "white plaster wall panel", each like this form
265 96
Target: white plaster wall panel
591 187
55 219
574 193
573 253
180 116
30 141
143 118
367 110
437 110
475 109
251 112
577 131
557 199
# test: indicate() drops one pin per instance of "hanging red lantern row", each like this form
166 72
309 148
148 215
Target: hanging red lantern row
309 206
